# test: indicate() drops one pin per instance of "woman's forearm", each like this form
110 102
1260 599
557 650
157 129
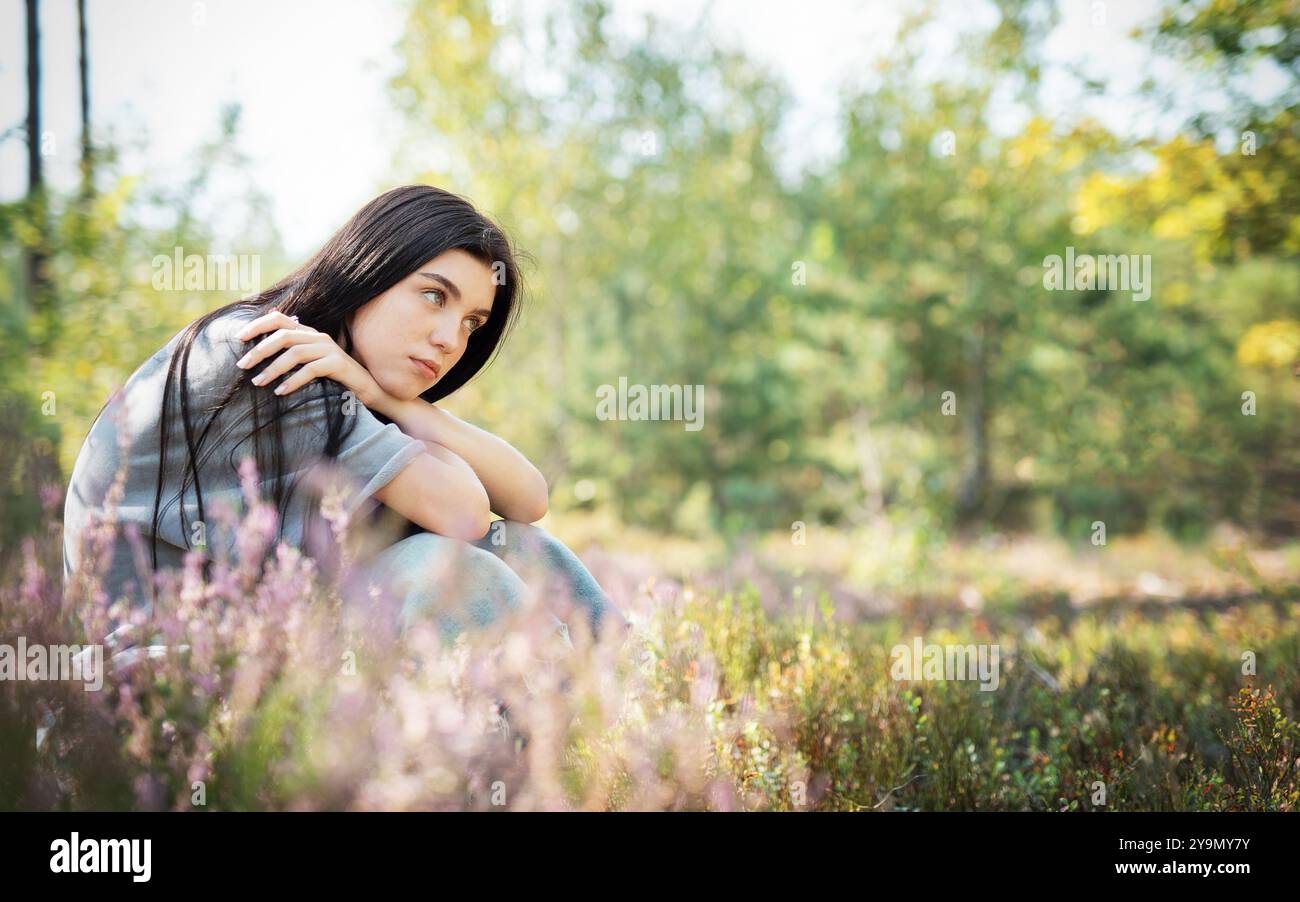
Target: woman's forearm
516 489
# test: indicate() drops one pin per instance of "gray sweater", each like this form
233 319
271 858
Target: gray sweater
126 434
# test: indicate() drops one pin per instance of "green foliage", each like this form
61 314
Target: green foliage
827 315
1147 705
102 317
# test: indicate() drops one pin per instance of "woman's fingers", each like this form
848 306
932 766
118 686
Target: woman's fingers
298 354
304 374
302 347
276 342
267 321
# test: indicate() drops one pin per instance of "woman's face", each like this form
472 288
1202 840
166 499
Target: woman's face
428 316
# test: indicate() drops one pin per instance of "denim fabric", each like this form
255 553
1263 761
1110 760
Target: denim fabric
463 585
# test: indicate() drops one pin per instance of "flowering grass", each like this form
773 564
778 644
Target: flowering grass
273 687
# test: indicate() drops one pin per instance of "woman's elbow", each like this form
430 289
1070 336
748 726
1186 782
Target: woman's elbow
471 531
537 503
466 512
532 513
468 527
477 520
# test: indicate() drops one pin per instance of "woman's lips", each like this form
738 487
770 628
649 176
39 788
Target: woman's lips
428 370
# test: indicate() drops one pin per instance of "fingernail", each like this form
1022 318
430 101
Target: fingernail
279 390
259 379
243 362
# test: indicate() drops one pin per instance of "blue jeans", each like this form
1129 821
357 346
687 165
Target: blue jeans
462 585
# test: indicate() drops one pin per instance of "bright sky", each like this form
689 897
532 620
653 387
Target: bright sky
310 76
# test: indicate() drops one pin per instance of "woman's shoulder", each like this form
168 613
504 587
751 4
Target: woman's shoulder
217 335
215 348
206 369
220 332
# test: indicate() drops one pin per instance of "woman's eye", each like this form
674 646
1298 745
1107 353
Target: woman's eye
473 323
440 298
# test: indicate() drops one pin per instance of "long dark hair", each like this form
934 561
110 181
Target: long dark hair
383 243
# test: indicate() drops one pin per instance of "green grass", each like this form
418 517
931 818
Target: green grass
1153 704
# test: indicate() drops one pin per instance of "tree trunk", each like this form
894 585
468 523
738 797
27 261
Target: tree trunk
87 148
35 172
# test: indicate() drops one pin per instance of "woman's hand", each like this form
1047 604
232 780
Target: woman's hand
314 353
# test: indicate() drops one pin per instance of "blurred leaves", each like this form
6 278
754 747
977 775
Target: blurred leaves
826 313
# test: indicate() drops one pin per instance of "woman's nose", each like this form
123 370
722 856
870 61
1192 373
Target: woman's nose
442 341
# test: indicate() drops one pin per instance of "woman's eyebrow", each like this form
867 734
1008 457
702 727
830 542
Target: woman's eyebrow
451 286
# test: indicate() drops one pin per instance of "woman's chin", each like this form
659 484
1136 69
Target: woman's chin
404 390
412 392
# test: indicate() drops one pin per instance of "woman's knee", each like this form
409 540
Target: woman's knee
506 533
531 545
512 538
451 579
488 585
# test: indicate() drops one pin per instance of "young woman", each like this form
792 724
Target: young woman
342 362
